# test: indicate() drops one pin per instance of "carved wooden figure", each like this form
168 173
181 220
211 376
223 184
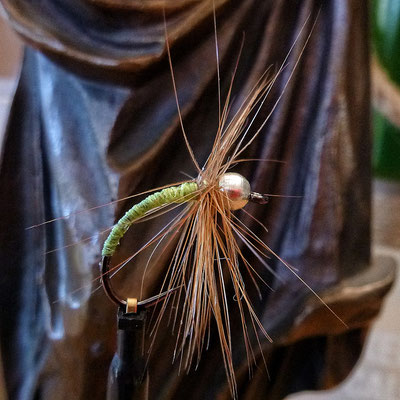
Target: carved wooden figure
94 119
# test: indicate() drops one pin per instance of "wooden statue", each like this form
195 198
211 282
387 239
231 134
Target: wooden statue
94 119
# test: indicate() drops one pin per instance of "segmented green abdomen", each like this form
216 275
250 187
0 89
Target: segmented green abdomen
174 194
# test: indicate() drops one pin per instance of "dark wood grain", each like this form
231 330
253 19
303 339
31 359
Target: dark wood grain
94 118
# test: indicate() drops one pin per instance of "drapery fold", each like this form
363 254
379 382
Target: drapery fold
94 119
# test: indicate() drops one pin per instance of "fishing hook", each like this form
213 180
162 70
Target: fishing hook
131 304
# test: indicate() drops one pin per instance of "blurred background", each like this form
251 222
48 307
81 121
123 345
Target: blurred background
377 375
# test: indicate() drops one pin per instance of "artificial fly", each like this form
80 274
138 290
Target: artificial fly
207 257
207 250
206 230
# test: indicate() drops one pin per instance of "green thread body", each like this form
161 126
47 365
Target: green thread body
174 194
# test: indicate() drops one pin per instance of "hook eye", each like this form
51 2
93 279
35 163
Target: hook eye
258 198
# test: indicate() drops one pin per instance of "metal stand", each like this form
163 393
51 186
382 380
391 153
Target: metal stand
128 377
